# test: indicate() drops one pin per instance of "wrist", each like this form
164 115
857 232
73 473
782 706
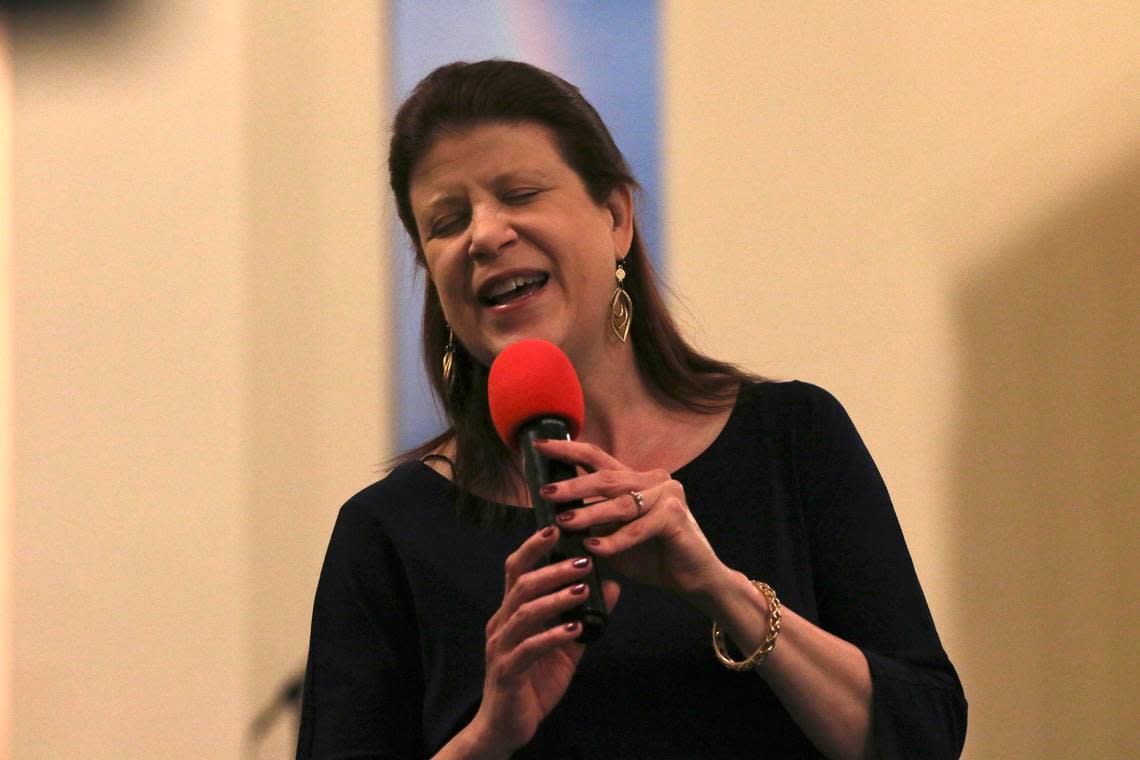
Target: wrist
724 594
475 742
747 632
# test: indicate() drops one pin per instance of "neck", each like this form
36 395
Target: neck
621 410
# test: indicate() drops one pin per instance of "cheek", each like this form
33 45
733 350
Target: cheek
447 275
451 300
602 273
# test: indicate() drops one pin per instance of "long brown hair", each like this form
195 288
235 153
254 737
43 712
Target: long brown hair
461 95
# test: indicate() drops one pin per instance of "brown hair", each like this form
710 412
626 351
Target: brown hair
461 95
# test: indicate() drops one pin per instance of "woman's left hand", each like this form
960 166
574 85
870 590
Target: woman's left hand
657 542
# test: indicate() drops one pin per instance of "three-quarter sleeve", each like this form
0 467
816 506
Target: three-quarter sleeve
363 682
868 592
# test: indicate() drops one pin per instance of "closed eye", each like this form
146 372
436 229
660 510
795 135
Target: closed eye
447 225
521 195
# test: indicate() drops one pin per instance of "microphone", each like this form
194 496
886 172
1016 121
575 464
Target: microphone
534 393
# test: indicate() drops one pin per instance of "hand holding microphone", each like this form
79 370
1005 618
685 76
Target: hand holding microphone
534 395
639 521
537 408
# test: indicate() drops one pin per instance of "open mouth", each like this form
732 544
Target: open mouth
514 288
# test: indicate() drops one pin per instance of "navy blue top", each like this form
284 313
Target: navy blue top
787 494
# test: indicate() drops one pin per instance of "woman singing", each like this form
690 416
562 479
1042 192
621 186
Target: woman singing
714 498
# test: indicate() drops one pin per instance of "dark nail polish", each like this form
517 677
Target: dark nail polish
572 626
581 562
578 589
593 542
541 440
548 531
566 516
547 490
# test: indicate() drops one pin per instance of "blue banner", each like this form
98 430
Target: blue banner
608 49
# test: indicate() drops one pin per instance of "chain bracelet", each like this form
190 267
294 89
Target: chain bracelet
765 647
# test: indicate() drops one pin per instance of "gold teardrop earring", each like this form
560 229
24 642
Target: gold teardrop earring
621 306
449 362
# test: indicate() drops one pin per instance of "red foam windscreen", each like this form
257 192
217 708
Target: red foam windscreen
529 379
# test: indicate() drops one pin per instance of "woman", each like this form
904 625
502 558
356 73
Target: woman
707 491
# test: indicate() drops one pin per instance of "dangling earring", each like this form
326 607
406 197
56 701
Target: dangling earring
621 306
449 361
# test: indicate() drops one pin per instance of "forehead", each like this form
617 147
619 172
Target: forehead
486 152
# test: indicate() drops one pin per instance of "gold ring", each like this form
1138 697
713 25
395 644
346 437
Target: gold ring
640 502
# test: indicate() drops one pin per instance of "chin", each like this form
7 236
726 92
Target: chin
538 333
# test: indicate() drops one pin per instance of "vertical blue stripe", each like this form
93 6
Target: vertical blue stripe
608 49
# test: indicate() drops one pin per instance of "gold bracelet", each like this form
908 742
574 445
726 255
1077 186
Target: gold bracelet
765 648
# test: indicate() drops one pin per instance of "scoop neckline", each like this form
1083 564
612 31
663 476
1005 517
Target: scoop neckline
701 455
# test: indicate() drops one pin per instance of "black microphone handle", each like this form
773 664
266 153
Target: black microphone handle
539 471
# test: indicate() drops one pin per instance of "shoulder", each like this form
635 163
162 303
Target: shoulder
792 403
778 421
403 490
387 518
408 478
800 420
791 393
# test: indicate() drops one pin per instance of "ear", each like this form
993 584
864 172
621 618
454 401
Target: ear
620 206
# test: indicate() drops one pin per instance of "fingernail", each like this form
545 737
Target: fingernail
572 626
547 490
578 589
566 516
548 531
581 562
594 542
541 440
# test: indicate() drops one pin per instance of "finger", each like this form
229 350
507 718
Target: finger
529 650
619 509
546 580
533 616
585 455
668 509
617 541
529 554
611 592
607 483
521 561
514 664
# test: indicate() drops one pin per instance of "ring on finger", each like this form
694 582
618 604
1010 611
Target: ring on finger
637 497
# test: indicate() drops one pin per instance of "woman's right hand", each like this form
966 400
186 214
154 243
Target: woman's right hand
528 666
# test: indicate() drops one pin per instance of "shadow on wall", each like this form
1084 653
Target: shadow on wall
1048 484
95 29
35 14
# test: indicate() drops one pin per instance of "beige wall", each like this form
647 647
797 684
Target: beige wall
928 210
316 373
196 365
933 211
5 395
131 594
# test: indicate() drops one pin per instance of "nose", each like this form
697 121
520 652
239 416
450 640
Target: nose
491 232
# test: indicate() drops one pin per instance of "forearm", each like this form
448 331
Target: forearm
469 744
823 681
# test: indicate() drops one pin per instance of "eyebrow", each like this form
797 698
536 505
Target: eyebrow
444 198
438 201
